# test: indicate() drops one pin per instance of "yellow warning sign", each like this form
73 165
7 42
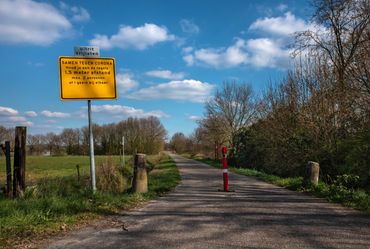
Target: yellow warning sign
87 78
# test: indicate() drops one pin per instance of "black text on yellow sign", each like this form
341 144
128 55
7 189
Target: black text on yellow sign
87 78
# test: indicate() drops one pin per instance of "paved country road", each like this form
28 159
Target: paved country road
256 215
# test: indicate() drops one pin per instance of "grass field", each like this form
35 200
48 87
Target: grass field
38 167
55 198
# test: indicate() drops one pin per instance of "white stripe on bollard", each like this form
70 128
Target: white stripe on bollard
224 171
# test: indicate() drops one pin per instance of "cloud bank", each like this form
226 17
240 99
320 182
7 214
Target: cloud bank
37 23
271 50
182 90
129 37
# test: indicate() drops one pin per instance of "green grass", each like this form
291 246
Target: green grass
335 192
57 198
38 167
163 178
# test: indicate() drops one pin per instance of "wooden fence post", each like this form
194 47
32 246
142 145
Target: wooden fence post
6 149
78 172
8 170
19 175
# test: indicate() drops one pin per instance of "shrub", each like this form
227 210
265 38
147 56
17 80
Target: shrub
110 178
350 182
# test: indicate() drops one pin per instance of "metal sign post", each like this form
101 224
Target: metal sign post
87 76
92 158
83 52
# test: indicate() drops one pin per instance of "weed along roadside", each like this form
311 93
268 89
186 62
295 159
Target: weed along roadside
342 190
58 201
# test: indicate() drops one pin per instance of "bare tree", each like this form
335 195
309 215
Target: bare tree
213 134
35 144
342 39
154 134
344 25
71 140
54 143
233 105
6 134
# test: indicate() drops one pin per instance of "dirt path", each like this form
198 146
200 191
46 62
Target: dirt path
256 215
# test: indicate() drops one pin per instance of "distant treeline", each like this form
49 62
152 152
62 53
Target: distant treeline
145 135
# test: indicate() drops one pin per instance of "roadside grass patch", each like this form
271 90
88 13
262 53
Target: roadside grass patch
59 202
164 178
342 190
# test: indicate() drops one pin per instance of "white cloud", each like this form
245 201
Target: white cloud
7 111
78 14
210 56
268 53
271 50
27 21
26 123
126 111
17 119
262 52
195 118
184 90
187 50
133 37
166 74
50 114
231 56
10 117
282 7
126 82
189 26
282 25
31 114
189 59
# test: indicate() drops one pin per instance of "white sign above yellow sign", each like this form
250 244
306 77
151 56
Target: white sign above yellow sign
87 51
87 78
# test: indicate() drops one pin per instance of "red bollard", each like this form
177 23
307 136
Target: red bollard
224 169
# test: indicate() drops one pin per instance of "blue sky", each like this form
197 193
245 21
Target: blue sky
170 55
